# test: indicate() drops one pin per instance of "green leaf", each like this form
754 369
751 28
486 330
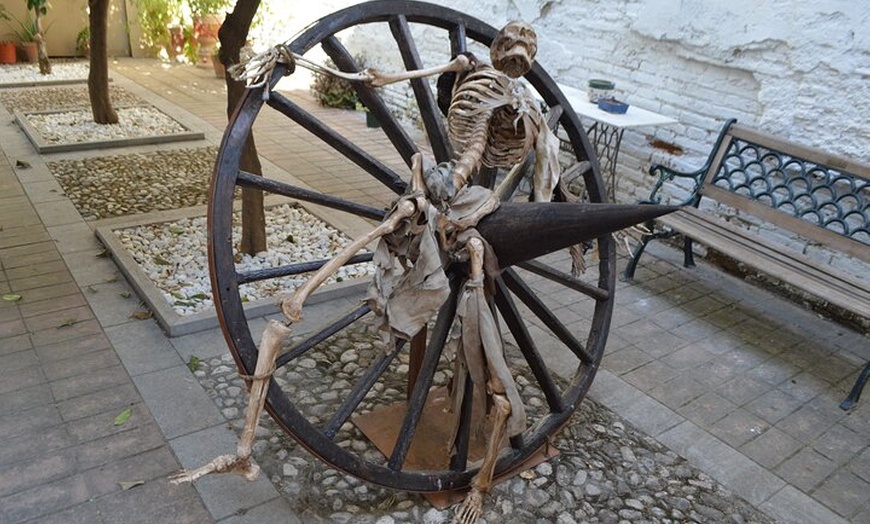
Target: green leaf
124 416
92 289
198 296
131 484
193 363
68 323
11 298
161 261
125 294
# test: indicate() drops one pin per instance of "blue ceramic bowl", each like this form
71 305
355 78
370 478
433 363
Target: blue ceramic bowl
612 105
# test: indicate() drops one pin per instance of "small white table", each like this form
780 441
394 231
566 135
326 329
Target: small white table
606 129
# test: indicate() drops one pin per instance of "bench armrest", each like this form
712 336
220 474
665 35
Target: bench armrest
666 174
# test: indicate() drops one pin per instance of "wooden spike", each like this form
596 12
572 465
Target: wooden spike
522 231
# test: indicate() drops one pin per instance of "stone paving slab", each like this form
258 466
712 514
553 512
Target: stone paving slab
61 388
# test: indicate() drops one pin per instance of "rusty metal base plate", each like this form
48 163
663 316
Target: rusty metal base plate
428 450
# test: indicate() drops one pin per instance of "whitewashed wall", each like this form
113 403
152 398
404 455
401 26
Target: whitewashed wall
799 70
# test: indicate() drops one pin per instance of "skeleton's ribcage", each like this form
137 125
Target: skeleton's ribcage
492 108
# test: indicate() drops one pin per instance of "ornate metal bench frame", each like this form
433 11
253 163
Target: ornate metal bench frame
820 197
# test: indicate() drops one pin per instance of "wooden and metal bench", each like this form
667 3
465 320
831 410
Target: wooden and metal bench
819 197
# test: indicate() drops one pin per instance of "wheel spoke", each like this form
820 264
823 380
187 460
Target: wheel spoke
280 188
356 396
351 151
541 269
432 120
373 102
296 269
540 310
326 332
458 42
424 379
517 327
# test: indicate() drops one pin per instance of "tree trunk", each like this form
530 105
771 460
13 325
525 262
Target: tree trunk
232 36
98 76
41 52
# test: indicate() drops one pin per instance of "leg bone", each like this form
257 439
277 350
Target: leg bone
241 462
472 506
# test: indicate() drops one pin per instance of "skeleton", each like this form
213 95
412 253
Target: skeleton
494 121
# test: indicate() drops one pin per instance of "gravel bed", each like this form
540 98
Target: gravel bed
29 73
173 255
116 185
607 471
71 97
74 127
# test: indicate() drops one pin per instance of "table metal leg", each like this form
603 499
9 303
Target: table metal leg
606 140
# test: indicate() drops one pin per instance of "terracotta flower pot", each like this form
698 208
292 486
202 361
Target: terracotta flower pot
27 52
206 28
7 53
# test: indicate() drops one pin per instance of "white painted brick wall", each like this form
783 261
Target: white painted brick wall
799 70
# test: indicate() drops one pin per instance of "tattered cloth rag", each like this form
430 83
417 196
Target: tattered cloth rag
406 300
483 353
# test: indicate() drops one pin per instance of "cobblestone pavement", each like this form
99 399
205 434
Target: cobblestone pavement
606 472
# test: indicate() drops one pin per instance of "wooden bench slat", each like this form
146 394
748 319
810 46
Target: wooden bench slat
792 223
791 267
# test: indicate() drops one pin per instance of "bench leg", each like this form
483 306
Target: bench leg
628 274
855 394
688 257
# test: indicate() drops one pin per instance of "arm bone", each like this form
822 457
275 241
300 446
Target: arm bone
292 307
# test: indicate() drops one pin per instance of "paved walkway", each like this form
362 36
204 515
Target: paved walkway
742 383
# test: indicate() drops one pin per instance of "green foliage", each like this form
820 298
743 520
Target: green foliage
208 7
24 30
155 16
83 40
38 6
334 92
190 50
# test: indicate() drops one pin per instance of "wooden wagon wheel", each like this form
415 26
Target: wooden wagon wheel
515 297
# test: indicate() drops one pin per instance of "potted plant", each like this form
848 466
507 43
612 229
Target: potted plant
24 31
155 18
83 42
207 20
7 47
7 52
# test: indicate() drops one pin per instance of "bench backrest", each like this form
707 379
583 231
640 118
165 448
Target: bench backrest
815 194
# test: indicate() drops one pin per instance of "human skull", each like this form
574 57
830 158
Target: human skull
513 49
